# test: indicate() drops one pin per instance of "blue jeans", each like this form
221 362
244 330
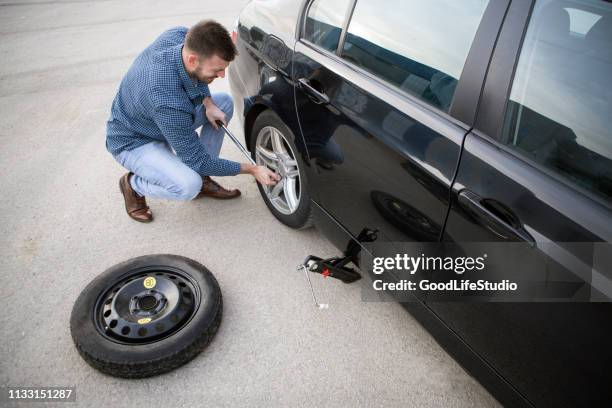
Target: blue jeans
159 173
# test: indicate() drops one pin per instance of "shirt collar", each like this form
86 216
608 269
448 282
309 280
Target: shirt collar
193 87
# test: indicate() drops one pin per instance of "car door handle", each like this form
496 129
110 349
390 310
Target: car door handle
319 97
495 216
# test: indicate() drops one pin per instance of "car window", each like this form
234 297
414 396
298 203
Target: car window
324 23
559 108
419 46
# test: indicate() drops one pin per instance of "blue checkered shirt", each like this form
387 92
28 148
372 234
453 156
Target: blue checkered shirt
156 102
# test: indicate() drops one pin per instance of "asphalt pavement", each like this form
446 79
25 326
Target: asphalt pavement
62 222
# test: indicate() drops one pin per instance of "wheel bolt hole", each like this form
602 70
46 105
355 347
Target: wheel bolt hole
113 324
107 313
125 331
142 331
182 284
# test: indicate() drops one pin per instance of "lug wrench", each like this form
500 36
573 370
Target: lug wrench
236 142
317 304
250 159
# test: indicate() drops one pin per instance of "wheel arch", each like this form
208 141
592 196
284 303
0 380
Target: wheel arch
259 106
249 121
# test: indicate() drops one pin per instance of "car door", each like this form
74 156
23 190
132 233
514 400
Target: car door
383 111
538 167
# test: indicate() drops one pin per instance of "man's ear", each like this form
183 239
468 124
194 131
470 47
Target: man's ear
192 60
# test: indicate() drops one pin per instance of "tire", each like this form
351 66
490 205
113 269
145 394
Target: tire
301 216
189 327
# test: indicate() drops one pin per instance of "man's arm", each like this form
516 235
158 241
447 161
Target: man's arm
261 174
213 113
176 126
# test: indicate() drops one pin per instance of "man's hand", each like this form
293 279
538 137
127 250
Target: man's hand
213 113
265 176
262 174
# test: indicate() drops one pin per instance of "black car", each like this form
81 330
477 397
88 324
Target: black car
458 121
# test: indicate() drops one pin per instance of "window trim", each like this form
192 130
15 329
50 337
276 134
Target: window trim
300 33
468 93
539 167
358 75
465 102
500 73
347 20
496 94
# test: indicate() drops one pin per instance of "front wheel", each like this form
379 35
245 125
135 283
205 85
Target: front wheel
272 146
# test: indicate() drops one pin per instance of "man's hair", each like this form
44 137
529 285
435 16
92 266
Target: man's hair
208 38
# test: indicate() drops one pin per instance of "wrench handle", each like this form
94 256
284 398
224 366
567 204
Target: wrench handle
237 143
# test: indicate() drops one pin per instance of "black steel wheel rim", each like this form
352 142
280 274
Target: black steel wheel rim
146 305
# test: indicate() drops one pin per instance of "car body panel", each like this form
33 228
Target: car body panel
525 354
374 165
554 354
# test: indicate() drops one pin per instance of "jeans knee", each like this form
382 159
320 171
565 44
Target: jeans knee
189 186
224 101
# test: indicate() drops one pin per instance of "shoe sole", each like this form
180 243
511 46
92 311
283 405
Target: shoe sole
125 203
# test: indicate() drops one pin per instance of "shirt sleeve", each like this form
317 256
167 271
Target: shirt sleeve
176 126
203 88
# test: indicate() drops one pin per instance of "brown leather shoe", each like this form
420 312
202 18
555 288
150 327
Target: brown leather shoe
210 188
135 206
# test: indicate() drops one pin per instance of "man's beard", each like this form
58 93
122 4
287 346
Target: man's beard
206 80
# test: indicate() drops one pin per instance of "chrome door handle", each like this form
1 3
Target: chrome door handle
319 97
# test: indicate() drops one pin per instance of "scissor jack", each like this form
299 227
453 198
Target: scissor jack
332 268
336 267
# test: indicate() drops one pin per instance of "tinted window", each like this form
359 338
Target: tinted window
419 46
559 112
324 23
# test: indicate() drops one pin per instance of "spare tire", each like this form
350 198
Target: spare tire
146 316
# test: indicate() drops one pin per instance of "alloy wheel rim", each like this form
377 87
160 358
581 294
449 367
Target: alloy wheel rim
274 151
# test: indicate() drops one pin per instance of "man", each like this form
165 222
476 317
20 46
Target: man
162 100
